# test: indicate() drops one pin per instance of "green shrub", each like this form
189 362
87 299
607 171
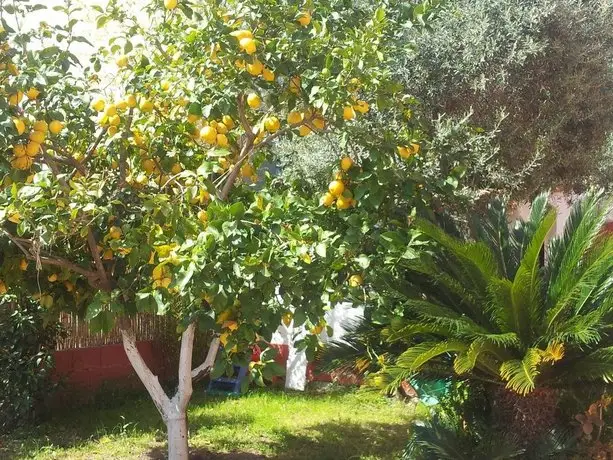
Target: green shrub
545 64
26 360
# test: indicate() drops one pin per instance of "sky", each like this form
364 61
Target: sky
86 26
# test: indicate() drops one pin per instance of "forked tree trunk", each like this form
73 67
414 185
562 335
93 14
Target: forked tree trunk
173 410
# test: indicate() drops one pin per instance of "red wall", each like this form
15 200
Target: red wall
91 367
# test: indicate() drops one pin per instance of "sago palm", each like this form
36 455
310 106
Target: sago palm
509 308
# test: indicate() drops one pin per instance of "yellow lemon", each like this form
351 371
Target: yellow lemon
19 150
203 216
336 187
32 149
293 118
319 123
146 105
348 113
131 100
56 126
171 4
40 125
112 130
52 278
346 163
247 170
165 85
122 105
20 126
222 140
403 152
98 105
295 84
304 130
221 128
227 120
344 202
37 136
115 233
122 61
304 18
114 120
268 75
240 34
255 68
254 101
15 99
32 93
272 124
149 165
327 199
287 318
361 106
247 45
23 265
208 134
22 163
355 280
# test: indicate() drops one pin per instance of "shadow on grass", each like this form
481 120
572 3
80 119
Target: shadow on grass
159 453
73 428
326 441
342 440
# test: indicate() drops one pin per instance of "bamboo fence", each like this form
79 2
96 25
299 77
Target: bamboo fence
78 334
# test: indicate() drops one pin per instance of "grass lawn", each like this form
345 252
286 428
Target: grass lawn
262 424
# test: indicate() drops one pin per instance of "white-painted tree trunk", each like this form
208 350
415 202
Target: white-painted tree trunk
173 411
178 447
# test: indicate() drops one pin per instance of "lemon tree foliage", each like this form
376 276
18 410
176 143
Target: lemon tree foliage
149 197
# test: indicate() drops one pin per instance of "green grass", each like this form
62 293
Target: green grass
262 424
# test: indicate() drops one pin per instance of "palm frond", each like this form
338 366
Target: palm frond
416 356
566 252
476 261
458 323
465 361
585 286
597 365
521 375
526 289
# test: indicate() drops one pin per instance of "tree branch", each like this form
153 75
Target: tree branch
123 156
92 149
151 381
202 370
52 260
184 388
54 169
93 247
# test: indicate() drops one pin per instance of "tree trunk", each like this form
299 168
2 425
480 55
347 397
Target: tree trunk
178 448
173 411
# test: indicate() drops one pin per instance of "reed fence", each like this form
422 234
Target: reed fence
78 334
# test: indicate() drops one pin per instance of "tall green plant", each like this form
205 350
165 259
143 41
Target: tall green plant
491 310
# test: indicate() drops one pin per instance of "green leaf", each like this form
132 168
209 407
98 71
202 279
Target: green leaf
237 210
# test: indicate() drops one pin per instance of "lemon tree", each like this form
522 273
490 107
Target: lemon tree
148 193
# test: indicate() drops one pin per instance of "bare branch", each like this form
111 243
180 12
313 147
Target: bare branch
151 381
184 388
55 170
202 370
51 260
93 247
92 149
123 156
